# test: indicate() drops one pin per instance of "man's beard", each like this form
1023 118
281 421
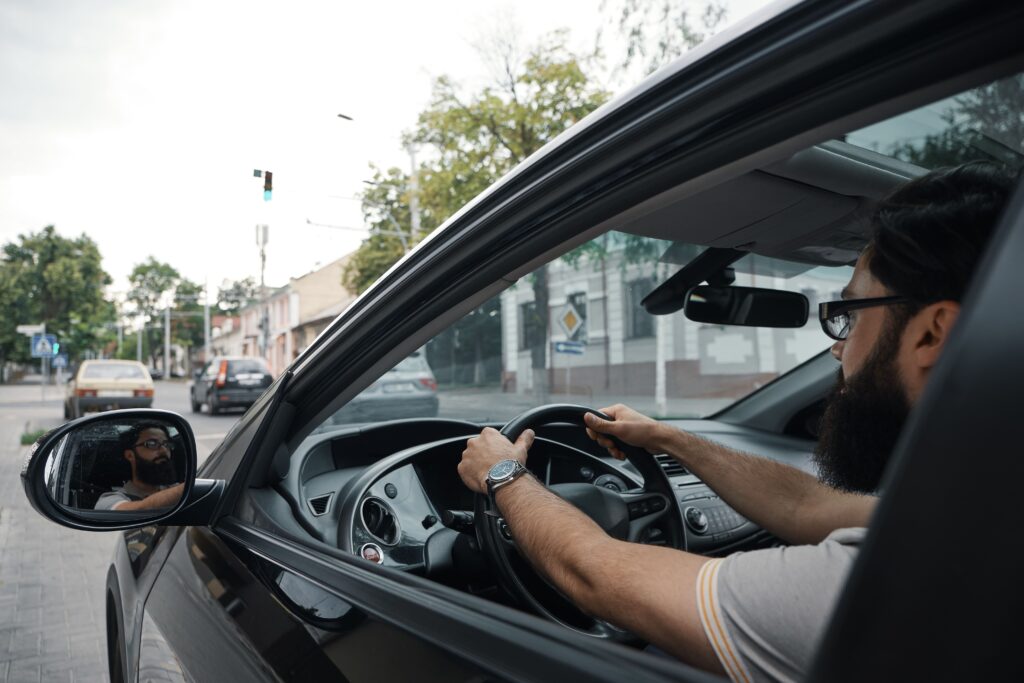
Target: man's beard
155 472
863 420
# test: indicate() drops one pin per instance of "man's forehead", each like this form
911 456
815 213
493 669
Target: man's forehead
153 431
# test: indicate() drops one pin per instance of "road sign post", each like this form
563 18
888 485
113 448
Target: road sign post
572 348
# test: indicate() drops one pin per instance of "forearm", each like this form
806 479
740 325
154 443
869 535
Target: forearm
161 499
788 502
648 590
554 535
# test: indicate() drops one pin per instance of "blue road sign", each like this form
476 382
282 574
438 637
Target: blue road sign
42 345
60 360
574 347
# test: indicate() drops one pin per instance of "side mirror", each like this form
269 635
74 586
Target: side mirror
119 470
747 306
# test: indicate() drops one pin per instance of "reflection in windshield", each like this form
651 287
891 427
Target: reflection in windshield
574 331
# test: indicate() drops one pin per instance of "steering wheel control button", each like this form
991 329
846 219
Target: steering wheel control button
390 490
696 519
372 553
586 473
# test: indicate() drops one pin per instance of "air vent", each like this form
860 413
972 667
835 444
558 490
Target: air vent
379 520
671 466
320 504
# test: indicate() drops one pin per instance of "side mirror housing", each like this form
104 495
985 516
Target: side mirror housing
746 306
119 470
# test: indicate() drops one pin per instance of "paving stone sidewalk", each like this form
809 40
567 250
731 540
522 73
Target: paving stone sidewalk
52 622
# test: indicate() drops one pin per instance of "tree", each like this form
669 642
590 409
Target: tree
387 212
983 123
473 139
152 282
45 277
657 31
188 327
235 295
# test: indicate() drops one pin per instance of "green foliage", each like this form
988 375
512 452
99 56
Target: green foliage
387 212
985 123
29 438
236 295
45 277
188 323
154 283
470 141
658 31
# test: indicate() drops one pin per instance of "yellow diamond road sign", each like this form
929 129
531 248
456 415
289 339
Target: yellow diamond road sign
571 320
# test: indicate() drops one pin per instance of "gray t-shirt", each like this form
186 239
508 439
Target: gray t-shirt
119 494
764 611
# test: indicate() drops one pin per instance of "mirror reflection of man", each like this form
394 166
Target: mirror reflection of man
154 483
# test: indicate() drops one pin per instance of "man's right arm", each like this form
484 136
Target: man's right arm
161 499
786 501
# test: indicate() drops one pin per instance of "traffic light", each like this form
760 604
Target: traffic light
267 185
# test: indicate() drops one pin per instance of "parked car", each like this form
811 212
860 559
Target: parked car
356 553
156 373
405 391
229 382
106 385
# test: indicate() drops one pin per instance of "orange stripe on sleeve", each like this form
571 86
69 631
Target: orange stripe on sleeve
705 609
716 617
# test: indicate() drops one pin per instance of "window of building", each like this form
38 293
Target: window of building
639 323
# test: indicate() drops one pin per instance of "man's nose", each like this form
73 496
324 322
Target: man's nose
837 350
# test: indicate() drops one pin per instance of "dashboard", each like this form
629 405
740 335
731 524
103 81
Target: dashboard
390 492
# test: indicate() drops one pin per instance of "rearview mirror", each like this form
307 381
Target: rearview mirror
747 306
115 470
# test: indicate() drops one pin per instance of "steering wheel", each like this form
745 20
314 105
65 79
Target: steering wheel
651 512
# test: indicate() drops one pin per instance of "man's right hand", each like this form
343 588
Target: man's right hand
629 426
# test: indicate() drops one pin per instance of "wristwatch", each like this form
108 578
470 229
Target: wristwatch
503 472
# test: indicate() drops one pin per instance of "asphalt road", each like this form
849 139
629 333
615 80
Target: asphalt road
52 578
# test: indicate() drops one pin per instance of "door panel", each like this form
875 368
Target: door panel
234 616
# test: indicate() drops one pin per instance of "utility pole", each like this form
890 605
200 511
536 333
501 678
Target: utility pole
414 194
167 342
206 322
262 237
138 341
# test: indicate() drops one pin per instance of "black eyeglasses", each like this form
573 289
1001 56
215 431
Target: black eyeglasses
835 315
153 444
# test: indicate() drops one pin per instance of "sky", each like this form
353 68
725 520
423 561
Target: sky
139 123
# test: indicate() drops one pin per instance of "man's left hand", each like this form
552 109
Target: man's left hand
484 451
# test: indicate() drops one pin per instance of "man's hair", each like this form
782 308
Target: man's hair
131 437
931 232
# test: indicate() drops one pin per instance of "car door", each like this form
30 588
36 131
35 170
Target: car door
817 66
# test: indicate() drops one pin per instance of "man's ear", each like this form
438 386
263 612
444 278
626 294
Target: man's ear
129 455
930 330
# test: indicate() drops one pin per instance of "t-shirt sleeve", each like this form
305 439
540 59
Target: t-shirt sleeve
765 610
108 500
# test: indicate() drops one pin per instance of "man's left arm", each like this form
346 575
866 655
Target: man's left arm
649 590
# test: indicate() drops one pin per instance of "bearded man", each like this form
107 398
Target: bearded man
758 615
154 483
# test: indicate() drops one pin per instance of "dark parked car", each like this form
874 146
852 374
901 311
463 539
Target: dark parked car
229 382
355 553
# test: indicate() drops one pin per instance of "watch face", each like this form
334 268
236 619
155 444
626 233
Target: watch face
502 470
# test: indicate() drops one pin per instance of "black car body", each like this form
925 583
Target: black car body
260 574
229 382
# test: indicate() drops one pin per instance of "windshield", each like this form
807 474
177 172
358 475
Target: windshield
573 331
113 371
